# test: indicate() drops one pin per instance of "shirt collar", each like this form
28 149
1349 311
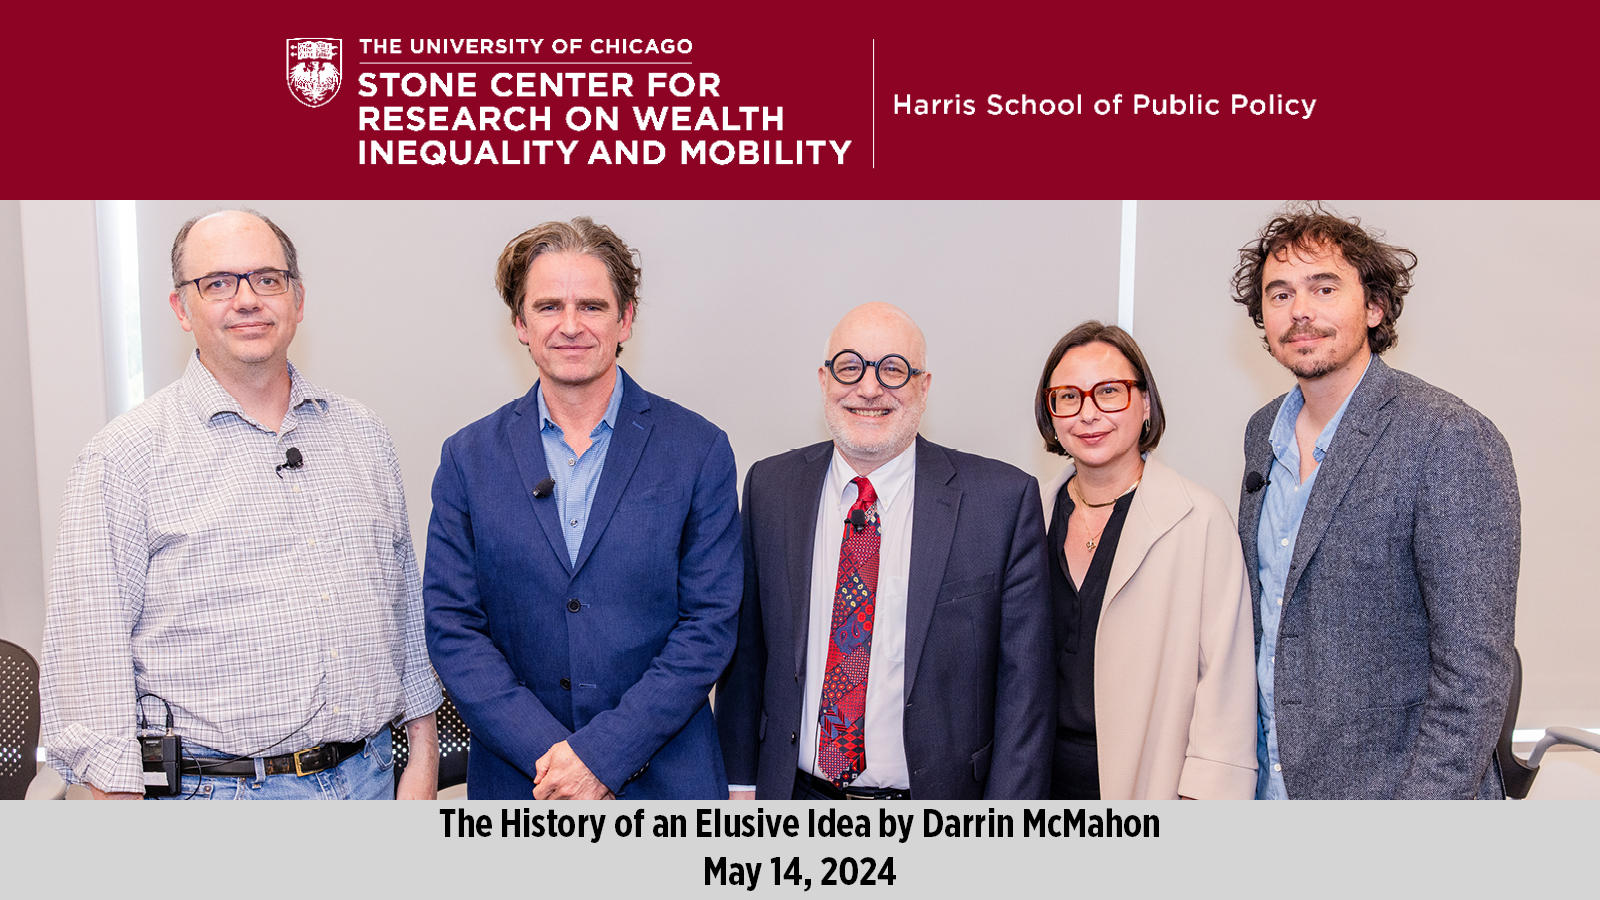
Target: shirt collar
208 398
1282 434
607 421
888 480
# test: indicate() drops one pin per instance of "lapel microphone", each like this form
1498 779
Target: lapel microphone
544 488
1254 482
292 459
858 519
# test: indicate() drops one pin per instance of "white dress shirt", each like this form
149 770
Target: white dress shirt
894 483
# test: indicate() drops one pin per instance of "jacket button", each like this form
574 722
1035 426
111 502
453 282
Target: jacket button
574 606
794 736
566 684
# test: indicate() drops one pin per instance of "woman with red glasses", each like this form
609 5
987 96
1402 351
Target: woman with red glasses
1155 660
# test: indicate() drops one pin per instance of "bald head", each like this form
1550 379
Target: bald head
882 321
872 424
229 220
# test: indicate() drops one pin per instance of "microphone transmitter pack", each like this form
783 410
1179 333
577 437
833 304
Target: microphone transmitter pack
163 764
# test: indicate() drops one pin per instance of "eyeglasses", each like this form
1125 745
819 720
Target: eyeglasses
225 285
1108 396
848 367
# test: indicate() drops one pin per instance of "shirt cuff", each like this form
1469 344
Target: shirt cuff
113 765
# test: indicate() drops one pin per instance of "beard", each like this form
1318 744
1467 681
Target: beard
1307 366
1310 369
874 446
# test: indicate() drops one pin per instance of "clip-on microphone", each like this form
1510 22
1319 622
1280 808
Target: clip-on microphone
292 459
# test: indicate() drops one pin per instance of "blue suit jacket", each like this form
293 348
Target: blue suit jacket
1394 654
614 655
979 669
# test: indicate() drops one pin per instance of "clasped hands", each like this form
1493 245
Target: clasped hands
561 775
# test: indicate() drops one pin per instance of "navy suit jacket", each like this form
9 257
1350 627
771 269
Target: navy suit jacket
615 655
1394 653
979 683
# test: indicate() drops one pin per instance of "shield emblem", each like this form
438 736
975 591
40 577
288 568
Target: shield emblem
313 69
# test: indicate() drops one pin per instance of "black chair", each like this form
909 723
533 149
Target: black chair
1517 773
454 739
19 720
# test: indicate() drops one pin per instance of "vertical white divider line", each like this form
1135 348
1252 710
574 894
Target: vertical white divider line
1130 231
116 226
874 102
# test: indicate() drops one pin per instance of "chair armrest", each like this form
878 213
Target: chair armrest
1562 734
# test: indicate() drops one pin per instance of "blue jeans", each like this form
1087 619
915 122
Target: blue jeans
369 775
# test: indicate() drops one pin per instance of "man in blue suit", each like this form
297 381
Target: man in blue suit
583 568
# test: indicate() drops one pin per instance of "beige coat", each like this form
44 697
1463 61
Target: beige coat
1174 657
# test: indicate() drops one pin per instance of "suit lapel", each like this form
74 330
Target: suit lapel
932 534
1158 505
1365 420
799 542
527 446
1258 458
628 440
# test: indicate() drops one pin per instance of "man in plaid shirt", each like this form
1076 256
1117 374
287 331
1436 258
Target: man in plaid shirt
235 564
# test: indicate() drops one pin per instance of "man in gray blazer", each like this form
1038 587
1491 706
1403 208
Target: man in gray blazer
895 636
1381 531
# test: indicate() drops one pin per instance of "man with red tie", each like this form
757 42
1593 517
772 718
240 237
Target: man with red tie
895 632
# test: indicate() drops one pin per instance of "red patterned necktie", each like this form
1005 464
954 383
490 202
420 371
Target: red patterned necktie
842 749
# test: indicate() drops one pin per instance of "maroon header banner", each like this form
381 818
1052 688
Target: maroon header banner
801 101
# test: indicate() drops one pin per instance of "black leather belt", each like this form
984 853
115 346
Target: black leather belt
823 787
301 762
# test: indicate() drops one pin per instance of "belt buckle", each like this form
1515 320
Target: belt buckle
299 762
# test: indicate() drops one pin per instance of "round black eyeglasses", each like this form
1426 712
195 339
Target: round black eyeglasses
849 367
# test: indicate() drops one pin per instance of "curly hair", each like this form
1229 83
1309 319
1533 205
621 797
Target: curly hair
1310 228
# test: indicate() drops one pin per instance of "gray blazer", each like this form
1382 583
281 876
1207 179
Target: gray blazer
1394 653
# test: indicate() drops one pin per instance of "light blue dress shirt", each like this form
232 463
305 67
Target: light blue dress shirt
576 477
1281 512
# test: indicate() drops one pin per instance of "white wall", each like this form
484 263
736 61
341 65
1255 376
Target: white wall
738 299
58 367
21 573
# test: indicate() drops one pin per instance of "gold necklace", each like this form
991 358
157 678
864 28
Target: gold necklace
1094 541
1113 500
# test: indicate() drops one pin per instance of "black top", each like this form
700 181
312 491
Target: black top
1077 615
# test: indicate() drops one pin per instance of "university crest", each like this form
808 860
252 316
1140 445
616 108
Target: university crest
313 69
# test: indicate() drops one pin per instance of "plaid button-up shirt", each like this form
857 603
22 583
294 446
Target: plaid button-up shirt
270 613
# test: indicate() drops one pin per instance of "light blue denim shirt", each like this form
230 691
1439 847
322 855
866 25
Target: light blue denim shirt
576 477
1281 511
